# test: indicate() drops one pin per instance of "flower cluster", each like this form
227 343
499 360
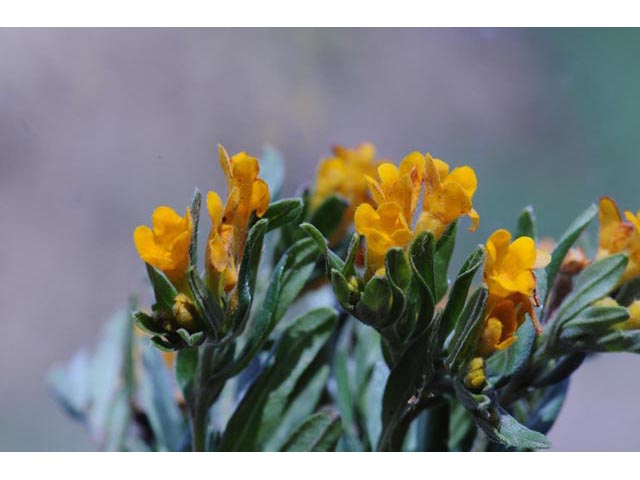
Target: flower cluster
447 196
166 246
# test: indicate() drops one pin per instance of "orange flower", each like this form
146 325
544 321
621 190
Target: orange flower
508 272
447 196
230 223
617 235
383 229
344 174
166 246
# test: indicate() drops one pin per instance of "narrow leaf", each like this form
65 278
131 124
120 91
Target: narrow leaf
459 291
318 433
164 292
263 405
526 226
444 249
593 283
468 328
327 218
283 212
564 244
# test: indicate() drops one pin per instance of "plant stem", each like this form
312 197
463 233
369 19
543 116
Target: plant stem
199 430
201 401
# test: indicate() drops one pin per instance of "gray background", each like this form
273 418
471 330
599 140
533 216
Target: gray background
97 127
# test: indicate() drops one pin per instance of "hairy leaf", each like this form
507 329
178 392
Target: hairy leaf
318 433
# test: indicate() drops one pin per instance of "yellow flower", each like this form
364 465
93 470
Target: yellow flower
230 223
508 271
344 174
383 229
447 196
619 236
166 246
401 184
247 192
220 246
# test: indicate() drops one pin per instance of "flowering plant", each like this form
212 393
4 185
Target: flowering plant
329 321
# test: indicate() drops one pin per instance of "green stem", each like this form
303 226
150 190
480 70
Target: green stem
201 401
199 430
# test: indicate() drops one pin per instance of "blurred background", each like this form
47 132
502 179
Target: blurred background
97 127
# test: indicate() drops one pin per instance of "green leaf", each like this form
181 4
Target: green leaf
593 283
195 215
467 331
97 390
208 309
421 254
164 292
186 366
345 400
564 244
163 344
421 258
71 385
263 405
375 302
526 226
459 292
107 377
118 422
332 261
327 218
543 418
462 429
346 297
444 249
287 280
616 340
147 323
318 433
352 251
157 398
502 366
371 402
247 276
397 268
558 369
511 433
398 274
284 212
191 339
402 385
302 405
497 424
272 170
592 321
